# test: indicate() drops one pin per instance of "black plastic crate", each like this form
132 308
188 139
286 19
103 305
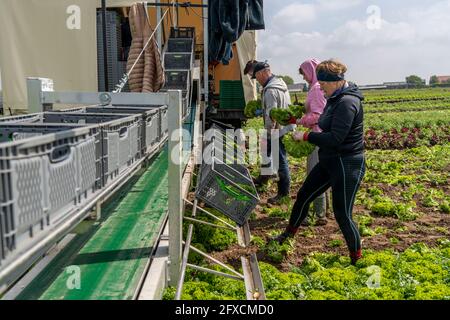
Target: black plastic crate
177 80
182 32
177 61
181 45
228 191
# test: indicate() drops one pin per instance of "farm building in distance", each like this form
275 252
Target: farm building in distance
297 87
443 79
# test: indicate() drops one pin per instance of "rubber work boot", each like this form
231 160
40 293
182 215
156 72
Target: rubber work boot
277 199
287 234
261 181
355 256
322 221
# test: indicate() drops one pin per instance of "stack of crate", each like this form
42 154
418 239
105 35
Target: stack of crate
178 62
114 42
225 182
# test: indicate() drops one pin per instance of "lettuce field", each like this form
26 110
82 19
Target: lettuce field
402 210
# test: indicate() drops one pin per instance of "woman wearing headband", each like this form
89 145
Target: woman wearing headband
341 155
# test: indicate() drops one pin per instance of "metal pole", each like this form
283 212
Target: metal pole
208 224
184 262
205 59
175 185
216 261
217 273
158 18
105 46
211 215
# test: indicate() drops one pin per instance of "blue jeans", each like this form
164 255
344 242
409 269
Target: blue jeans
284 182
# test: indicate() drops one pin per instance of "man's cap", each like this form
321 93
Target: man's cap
258 66
249 67
254 66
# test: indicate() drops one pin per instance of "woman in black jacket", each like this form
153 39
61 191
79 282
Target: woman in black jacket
341 155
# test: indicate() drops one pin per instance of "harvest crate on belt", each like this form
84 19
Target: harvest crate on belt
43 179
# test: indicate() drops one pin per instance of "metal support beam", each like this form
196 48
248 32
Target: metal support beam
214 272
205 60
36 87
175 185
158 18
105 98
211 215
244 236
41 97
252 278
105 46
216 261
208 223
184 263
176 4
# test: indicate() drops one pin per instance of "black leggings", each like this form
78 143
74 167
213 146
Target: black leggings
343 175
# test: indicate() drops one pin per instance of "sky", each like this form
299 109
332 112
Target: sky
379 41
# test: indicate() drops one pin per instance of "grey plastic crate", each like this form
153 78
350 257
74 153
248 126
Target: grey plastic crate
19 131
150 126
29 118
42 180
164 124
81 117
180 45
119 144
177 61
228 191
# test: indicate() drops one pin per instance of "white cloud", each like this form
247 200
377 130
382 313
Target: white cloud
418 41
333 5
295 15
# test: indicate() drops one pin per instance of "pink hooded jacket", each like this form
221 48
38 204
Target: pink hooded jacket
315 101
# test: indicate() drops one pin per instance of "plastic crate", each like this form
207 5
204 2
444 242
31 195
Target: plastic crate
182 32
29 118
150 126
20 131
42 181
231 94
121 141
147 114
164 124
177 80
180 45
81 117
177 61
228 191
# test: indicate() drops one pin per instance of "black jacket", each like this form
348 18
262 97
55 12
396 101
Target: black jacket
342 125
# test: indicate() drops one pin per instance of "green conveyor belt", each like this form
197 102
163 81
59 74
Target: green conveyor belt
112 254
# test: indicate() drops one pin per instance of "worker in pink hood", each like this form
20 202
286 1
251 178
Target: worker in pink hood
315 104
315 101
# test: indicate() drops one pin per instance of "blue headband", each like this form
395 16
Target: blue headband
329 77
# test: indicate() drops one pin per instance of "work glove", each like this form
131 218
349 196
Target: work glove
300 136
